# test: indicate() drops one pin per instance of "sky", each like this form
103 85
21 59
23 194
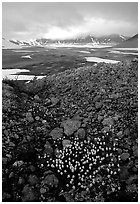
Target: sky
65 20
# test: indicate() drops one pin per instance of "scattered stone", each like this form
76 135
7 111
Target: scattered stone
44 121
54 101
125 156
116 117
11 144
47 102
85 122
47 172
43 190
135 150
66 143
4 160
57 152
29 194
100 118
48 149
102 91
130 164
8 96
6 133
98 105
11 175
21 181
102 112
124 173
16 136
37 118
97 98
108 122
81 133
89 109
33 180
29 117
18 163
132 179
135 169
115 95
126 132
9 156
56 133
119 151
29 138
70 126
105 129
51 180
120 134
6 196
77 117
37 99
115 160
135 59
132 188
32 168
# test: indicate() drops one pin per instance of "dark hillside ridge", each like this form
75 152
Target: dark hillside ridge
72 136
130 43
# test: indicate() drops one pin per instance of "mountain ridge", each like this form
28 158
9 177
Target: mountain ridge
112 39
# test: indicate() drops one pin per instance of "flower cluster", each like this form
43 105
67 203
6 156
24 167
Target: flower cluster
84 164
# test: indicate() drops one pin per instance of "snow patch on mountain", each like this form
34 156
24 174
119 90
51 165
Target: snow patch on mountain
121 36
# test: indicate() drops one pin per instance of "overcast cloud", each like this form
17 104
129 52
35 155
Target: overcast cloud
67 20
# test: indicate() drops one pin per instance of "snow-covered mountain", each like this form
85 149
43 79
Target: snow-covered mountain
109 39
89 39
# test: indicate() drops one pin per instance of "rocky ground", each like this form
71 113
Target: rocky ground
72 136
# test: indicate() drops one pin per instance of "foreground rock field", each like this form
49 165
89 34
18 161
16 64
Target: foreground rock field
72 136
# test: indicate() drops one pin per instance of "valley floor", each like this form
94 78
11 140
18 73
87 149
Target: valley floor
25 64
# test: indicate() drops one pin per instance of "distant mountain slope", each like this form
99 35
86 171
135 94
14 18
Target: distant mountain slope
130 43
114 38
6 44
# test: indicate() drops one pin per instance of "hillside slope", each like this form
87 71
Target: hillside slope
72 136
130 43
